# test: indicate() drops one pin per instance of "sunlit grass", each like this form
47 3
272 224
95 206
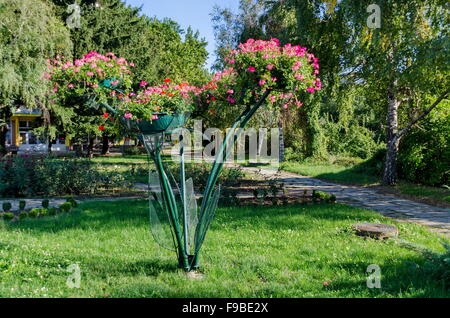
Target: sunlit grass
287 251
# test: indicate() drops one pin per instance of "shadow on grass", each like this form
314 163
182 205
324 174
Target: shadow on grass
126 214
398 278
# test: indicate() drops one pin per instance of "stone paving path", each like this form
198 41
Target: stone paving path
438 219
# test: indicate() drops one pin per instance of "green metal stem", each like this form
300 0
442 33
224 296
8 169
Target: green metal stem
183 194
169 197
217 167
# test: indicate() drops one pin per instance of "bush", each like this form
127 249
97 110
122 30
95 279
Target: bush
49 177
22 205
424 154
23 215
45 204
133 150
43 212
34 213
73 202
8 216
65 207
354 141
6 206
52 211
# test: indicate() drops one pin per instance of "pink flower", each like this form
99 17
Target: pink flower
232 62
110 65
55 90
269 67
230 91
90 74
251 69
114 83
128 115
231 100
70 85
143 83
299 104
310 89
155 117
77 70
95 85
262 82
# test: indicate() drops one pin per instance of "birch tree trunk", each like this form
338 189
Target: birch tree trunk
393 139
281 140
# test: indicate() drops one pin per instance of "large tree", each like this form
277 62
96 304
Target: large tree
399 68
158 49
29 34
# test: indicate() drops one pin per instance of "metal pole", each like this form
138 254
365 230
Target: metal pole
183 196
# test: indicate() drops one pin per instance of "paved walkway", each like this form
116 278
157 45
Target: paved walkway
438 219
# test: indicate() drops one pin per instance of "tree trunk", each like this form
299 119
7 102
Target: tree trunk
281 140
3 130
105 144
393 139
90 149
49 146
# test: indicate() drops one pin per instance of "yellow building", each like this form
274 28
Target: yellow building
20 132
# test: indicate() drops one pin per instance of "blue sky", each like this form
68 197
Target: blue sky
194 13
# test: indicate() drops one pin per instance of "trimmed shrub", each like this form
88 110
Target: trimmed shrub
52 211
65 207
43 212
22 205
6 206
33 176
8 216
23 215
45 204
34 213
73 202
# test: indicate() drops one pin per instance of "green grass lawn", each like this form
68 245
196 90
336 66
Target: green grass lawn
437 194
330 172
287 251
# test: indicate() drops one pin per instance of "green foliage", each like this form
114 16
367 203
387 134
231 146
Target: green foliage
34 213
6 206
50 177
52 211
66 207
45 203
29 34
22 204
8 216
43 212
23 215
425 153
73 202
